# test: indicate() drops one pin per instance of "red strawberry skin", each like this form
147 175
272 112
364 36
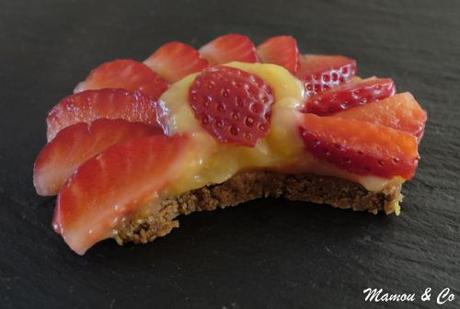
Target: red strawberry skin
175 60
281 50
90 105
229 47
349 95
126 74
75 144
321 72
360 147
232 105
400 112
113 185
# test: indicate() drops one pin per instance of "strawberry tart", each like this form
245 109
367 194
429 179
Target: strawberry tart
140 143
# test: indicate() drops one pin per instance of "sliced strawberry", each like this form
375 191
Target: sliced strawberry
175 60
90 105
126 74
360 147
281 50
113 185
76 144
348 95
232 105
401 112
229 47
321 72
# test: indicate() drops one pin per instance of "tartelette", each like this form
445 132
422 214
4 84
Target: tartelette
140 143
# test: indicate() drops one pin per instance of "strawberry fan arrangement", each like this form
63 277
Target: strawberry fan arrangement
112 147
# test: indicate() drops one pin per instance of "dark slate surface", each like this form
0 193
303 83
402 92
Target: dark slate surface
266 254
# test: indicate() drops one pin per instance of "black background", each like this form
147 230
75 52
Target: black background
268 253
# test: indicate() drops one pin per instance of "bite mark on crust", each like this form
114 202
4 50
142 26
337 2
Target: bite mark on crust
244 187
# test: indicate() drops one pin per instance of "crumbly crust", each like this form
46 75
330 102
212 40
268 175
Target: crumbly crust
248 186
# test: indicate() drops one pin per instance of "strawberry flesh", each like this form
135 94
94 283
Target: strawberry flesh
321 72
281 50
232 105
126 74
175 60
75 144
360 147
229 47
114 185
348 95
90 105
400 112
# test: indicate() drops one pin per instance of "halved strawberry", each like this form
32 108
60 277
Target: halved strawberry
348 95
321 72
175 60
126 74
76 144
232 105
360 147
90 105
401 112
281 50
229 47
114 184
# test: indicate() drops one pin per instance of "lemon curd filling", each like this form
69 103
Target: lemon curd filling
281 150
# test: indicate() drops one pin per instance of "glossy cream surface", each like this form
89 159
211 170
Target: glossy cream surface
281 150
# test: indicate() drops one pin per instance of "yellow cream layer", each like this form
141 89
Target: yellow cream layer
281 150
